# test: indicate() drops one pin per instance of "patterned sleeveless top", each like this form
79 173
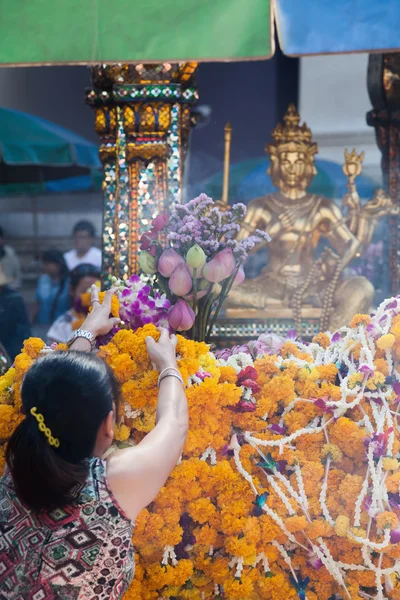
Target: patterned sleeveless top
75 553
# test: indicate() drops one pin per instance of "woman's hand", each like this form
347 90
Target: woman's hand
98 322
163 352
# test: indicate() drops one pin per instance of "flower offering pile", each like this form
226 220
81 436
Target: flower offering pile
288 486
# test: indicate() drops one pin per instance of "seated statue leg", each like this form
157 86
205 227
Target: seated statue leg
353 296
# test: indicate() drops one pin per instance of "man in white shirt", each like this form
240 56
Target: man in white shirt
84 251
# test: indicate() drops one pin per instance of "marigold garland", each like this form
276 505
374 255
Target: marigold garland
289 481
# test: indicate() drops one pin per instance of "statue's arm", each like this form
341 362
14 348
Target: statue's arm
258 216
333 226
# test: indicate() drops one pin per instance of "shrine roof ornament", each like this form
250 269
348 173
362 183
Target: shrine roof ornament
52 32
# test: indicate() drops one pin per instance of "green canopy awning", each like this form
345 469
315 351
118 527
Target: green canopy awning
82 31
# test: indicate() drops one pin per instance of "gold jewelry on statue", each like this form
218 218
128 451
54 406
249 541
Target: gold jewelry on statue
45 430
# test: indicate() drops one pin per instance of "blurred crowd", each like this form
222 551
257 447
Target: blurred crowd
63 279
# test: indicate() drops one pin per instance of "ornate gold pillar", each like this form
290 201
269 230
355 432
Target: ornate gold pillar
143 118
384 93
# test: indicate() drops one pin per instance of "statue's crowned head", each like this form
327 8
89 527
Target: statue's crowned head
292 154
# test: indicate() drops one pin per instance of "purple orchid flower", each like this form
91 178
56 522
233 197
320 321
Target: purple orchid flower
336 337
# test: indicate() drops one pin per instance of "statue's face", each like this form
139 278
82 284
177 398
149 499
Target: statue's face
292 167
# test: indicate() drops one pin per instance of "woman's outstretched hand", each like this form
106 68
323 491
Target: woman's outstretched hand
163 352
99 322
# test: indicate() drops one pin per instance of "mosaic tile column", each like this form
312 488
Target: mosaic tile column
143 118
384 93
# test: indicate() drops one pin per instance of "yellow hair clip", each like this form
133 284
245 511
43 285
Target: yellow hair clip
42 427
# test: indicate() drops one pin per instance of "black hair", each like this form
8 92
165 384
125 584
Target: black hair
81 271
74 392
57 257
84 226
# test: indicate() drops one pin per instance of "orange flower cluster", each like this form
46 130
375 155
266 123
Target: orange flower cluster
290 490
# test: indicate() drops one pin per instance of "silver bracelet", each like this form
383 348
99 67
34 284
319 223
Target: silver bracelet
174 369
176 375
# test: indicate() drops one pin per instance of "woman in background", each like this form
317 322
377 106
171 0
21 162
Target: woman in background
52 295
81 280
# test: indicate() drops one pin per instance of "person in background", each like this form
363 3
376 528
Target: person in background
81 279
84 251
52 293
9 262
14 322
68 500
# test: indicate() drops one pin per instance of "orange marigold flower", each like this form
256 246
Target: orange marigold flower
322 339
358 320
295 523
387 520
33 347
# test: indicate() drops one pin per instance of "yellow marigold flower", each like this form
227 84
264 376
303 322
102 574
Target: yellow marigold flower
227 375
9 419
376 381
322 339
121 433
358 320
390 464
342 524
33 347
333 451
385 342
355 379
387 520
6 386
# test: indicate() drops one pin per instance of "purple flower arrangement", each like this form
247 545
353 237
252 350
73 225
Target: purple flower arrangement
195 260
140 304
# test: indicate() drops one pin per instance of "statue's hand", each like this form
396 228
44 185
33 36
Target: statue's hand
380 206
351 201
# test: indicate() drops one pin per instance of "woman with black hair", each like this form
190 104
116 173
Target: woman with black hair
66 515
81 280
52 293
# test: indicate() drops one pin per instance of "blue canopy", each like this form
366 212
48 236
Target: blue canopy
29 140
310 27
38 156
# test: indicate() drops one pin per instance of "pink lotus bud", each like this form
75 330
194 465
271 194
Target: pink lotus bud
180 282
168 262
220 267
181 316
240 277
